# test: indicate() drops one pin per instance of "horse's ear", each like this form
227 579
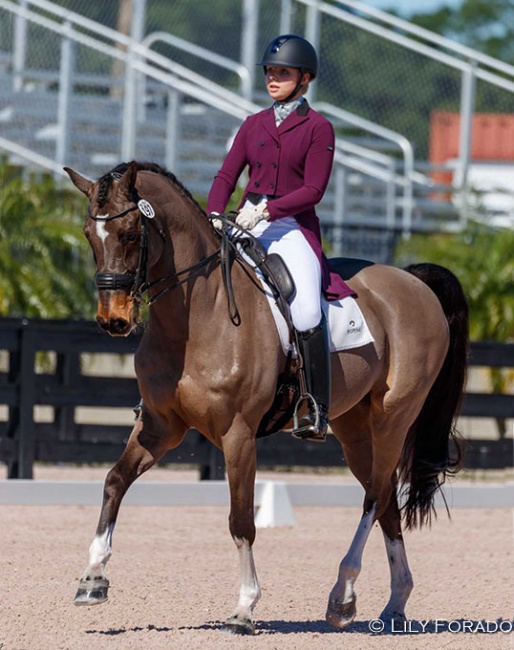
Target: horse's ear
128 180
80 182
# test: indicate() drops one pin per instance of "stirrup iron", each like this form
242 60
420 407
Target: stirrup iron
310 430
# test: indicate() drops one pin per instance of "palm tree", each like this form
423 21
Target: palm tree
45 263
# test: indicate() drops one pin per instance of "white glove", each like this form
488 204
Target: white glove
248 218
217 223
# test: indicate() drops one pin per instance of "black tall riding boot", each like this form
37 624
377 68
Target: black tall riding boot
315 351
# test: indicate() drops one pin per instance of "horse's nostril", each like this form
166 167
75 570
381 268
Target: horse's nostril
118 325
102 322
113 325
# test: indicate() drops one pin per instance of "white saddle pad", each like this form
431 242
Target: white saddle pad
347 325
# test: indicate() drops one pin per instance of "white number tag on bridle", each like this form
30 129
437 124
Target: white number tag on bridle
145 208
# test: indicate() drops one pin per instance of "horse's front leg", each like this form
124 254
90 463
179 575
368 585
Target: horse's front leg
240 458
143 450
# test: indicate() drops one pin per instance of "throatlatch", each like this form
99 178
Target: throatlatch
314 375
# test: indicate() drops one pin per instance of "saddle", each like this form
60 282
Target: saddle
290 389
275 273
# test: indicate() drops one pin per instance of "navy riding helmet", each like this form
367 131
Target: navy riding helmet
291 51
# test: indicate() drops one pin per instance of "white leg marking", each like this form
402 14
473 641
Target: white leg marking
401 579
249 590
351 564
100 551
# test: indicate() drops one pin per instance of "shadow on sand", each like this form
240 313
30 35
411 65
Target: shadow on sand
370 627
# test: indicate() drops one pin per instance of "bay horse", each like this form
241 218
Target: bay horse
393 401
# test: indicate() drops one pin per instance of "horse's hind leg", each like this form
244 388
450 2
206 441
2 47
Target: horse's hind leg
142 451
342 601
401 577
353 431
341 608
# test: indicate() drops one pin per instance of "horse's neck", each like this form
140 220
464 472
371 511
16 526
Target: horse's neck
188 241
204 320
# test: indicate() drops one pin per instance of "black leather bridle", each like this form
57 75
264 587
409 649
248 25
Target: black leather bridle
132 281
137 282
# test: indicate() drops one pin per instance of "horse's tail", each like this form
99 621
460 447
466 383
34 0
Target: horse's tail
433 448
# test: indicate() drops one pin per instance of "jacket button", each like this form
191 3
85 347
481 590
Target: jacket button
272 185
274 165
261 143
258 164
256 183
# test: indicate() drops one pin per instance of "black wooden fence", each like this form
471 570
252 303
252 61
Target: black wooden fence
63 386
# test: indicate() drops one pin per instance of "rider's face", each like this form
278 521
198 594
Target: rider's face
281 82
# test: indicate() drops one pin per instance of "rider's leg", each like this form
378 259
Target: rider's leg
315 351
285 238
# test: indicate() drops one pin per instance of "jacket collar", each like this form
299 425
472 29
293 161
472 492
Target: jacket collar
297 117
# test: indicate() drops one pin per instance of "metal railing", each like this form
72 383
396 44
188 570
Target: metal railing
180 81
207 55
142 64
469 62
397 139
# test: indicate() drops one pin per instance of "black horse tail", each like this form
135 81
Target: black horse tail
433 448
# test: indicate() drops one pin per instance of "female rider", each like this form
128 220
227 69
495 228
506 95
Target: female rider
289 150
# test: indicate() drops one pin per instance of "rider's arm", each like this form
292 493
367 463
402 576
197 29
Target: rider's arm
226 179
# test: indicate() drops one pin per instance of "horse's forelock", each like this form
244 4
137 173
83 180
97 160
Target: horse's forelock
105 182
104 186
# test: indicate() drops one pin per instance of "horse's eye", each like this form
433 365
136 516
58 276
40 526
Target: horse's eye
129 237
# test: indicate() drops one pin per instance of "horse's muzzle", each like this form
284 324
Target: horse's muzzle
117 312
115 326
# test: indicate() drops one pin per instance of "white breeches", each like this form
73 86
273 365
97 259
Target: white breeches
285 238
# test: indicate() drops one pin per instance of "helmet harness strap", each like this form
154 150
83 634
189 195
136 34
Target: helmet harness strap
295 90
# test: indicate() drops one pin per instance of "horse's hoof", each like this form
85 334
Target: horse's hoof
340 614
243 627
92 592
392 618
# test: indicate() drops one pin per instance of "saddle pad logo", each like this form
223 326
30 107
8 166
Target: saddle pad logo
353 328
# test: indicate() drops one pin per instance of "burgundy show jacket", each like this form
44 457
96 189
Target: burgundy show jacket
292 163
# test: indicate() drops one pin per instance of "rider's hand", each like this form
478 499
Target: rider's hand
217 223
248 218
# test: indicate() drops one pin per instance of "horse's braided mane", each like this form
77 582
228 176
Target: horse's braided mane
105 181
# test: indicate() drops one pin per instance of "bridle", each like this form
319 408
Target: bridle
137 282
134 281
